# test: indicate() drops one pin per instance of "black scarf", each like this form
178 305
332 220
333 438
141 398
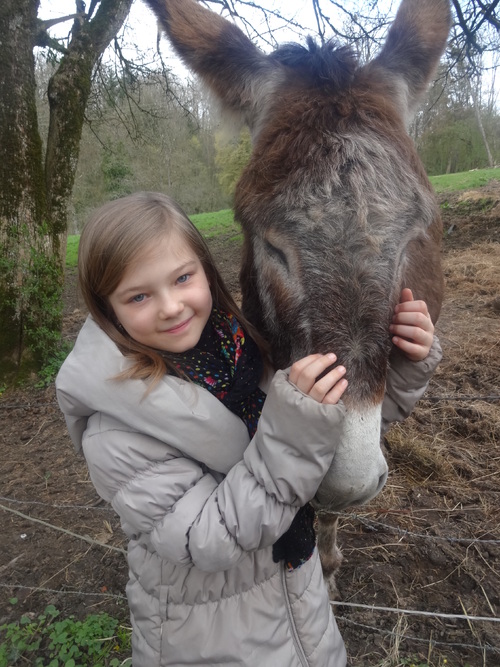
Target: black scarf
227 362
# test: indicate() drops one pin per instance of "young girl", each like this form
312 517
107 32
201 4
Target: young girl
163 394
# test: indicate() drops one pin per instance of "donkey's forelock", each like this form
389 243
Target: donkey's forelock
326 65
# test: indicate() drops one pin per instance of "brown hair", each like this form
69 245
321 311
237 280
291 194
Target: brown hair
112 239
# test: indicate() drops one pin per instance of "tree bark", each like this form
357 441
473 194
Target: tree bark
477 109
34 195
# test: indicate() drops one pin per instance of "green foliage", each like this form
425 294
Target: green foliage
49 370
466 180
231 159
51 641
116 172
42 295
31 295
143 137
453 145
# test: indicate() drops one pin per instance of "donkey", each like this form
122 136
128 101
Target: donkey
336 209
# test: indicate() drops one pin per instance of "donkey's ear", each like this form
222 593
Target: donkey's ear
232 66
415 42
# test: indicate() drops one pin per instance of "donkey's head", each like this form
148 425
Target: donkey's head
336 209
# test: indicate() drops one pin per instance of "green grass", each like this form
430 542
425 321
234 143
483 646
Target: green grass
217 223
72 249
465 180
222 223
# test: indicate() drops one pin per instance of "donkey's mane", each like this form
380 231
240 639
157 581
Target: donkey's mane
320 64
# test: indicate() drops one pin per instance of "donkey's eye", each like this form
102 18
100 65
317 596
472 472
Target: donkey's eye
277 253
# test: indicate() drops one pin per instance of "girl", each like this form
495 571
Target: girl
162 393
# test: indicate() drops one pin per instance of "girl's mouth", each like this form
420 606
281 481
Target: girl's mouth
179 327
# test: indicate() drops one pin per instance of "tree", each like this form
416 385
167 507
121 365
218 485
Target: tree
232 156
146 135
478 26
35 188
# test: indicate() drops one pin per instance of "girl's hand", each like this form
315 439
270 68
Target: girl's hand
412 326
329 388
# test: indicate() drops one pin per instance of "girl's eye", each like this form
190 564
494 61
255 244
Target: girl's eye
138 298
183 278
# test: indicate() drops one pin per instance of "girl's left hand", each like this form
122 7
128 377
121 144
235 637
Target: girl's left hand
412 326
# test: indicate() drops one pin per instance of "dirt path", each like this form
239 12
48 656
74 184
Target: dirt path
430 542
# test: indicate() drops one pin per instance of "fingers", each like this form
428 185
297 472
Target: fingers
413 333
414 351
412 327
329 390
406 295
312 377
414 319
416 334
410 306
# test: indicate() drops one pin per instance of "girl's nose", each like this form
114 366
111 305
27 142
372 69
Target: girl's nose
169 307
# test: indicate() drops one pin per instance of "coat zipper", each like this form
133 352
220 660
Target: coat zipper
295 636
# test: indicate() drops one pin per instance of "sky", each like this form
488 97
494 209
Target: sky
141 27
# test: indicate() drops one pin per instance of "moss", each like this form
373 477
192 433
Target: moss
21 149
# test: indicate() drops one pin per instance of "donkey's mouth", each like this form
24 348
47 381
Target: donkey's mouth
359 470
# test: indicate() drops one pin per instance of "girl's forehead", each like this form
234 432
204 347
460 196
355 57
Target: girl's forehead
172 245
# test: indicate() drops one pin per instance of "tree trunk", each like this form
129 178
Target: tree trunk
34 196
69 90
22 192
476 97
491 162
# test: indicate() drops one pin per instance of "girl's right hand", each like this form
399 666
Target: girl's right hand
305 373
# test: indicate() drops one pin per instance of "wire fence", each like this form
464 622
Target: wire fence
482 648
8 504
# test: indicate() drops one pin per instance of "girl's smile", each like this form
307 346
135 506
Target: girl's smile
163 299
179 328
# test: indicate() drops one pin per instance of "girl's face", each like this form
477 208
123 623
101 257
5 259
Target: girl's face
163 299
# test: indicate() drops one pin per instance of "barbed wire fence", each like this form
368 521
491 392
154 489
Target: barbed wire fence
400 612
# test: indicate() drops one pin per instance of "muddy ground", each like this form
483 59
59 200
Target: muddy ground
430 542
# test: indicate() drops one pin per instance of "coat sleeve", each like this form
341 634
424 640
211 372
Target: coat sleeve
406 383
179 508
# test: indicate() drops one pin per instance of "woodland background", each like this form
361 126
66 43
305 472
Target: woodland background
148 128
